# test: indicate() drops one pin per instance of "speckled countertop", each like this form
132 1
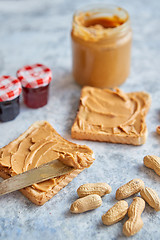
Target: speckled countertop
39 31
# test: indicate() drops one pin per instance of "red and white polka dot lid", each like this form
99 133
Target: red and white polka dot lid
10 88
34 76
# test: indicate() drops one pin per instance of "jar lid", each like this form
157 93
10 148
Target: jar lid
34 76
10 88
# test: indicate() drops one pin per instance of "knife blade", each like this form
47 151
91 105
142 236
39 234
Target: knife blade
46 171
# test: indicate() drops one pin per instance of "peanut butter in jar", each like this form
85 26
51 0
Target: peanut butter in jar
101 46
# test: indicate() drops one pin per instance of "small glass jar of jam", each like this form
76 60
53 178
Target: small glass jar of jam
35 80
101 46
10 89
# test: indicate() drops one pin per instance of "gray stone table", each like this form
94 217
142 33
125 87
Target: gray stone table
39 31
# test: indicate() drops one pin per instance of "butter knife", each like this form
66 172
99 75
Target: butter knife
44 172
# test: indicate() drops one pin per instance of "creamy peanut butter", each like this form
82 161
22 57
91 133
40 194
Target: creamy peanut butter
106 112
101 47
41 145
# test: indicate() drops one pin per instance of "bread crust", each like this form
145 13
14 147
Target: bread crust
102 137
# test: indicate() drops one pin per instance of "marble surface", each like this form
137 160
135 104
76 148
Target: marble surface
39 31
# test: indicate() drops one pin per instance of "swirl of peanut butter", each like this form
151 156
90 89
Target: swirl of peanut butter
91 26
111 111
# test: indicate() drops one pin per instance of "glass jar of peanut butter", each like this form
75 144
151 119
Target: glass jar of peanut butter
101 46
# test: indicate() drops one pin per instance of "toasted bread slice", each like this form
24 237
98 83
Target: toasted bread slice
36 146
111 116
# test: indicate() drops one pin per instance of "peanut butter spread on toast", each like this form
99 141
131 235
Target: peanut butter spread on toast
111 112
41 144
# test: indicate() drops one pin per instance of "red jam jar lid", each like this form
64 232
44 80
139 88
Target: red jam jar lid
10 88
34 76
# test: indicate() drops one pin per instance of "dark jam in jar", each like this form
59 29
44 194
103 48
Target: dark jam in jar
10 89
35 97
35 80
9 110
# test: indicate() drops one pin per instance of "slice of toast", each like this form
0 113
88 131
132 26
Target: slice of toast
111 116
36 146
